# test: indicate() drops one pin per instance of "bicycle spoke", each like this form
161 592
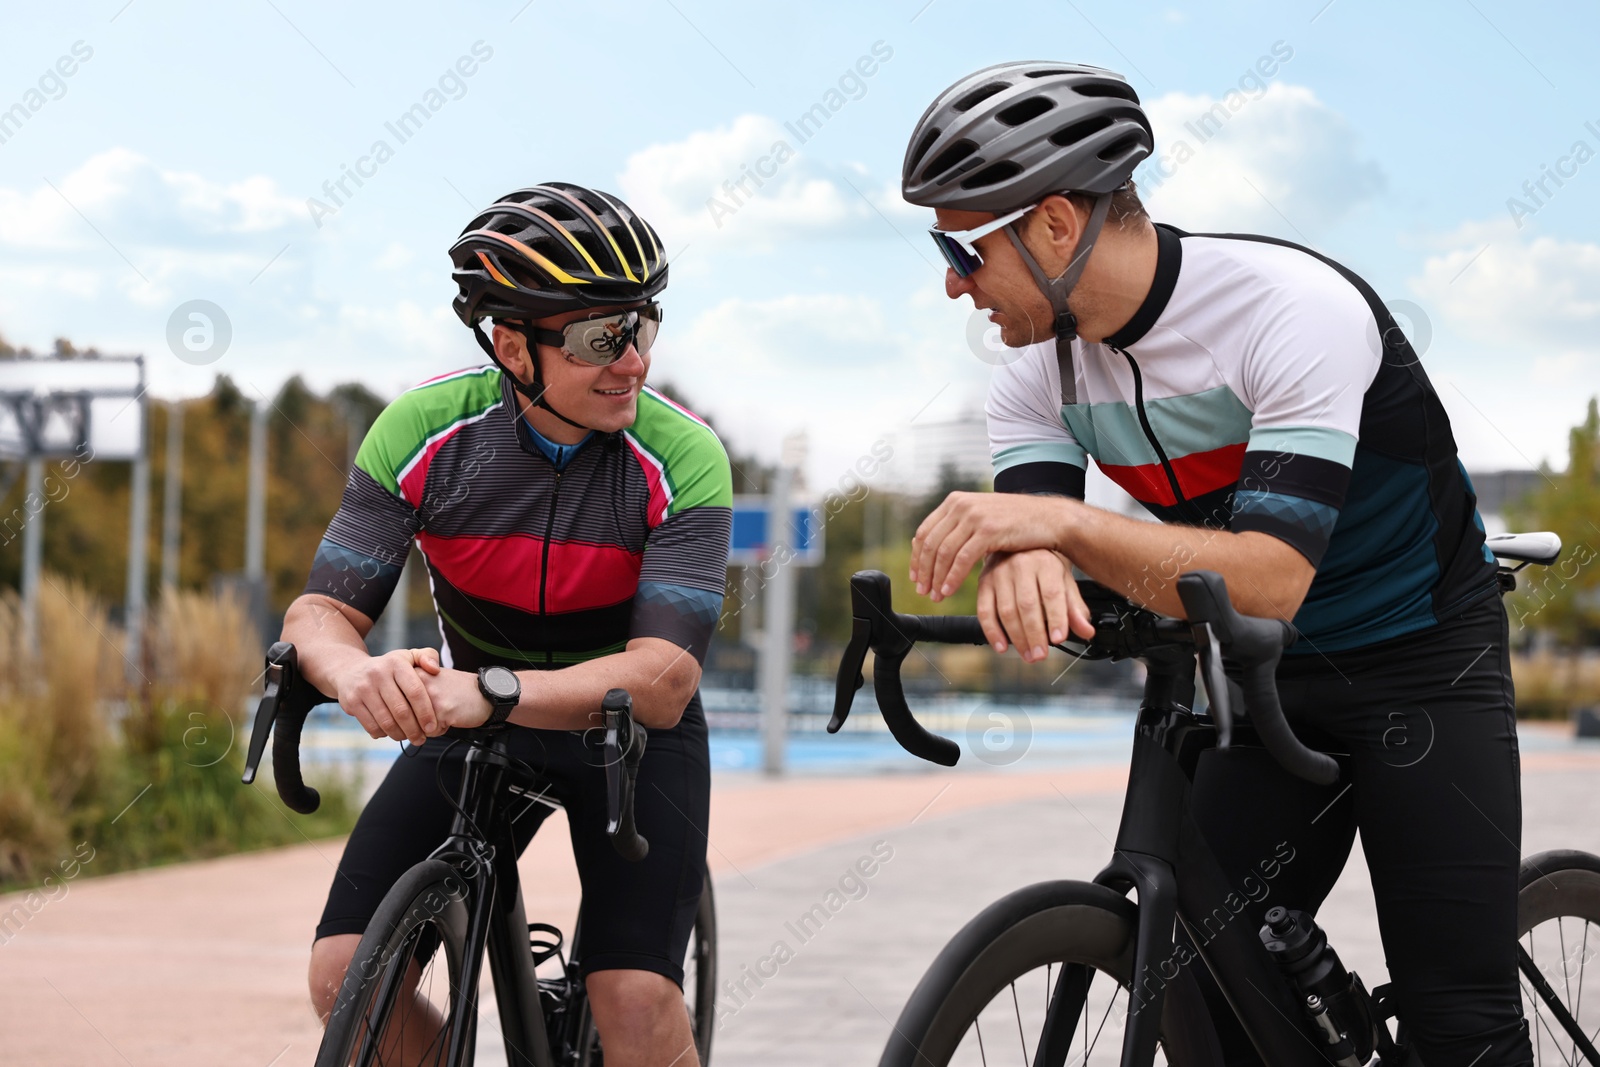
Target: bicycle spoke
1566 972
1555 1038
982 1055
1577 1006
1020 1036
1109 1005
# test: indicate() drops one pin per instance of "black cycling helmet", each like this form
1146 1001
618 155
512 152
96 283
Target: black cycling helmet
550 249
1012 134
553 248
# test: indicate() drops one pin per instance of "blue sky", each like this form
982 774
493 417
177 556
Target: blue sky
176 161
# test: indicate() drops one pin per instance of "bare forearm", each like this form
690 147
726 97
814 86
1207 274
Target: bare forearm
326 642
660 680
1143 560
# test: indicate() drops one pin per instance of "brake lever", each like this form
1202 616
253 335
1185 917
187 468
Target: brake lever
286 700
1215 680
624 746
850 678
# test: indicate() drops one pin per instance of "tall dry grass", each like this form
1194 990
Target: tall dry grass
53 735
1551 686
147 771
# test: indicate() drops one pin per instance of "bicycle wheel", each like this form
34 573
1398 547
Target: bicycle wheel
985 997
415 941
700 974
699 986
1558 927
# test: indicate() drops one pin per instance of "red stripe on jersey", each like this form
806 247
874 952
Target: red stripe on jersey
506 570
1198 473
658 492
590 576
415 482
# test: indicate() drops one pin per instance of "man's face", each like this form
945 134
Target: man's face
604 398
1003 284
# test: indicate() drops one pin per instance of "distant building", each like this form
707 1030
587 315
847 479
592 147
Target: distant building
924 449
1499 491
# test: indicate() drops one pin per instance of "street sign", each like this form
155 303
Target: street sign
750 538
52 408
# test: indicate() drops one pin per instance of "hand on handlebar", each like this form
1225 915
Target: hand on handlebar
390 695
1032 596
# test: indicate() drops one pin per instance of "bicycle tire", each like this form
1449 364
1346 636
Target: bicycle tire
703 1011
703 942
1560 887
428 898
1038 928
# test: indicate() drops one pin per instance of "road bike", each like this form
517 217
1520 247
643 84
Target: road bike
435 923
1076 970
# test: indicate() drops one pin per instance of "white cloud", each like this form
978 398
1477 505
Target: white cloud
141 203
1540 295
751 182
1236 162
1515 355
846 368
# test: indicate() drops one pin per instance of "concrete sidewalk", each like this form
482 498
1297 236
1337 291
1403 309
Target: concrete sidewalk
834 1000
204 963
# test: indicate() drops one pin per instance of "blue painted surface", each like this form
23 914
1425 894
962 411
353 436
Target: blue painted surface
1082 738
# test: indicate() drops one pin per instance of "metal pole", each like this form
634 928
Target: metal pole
256 506
871 520
32 552
778 592
394 613
138 520
172 497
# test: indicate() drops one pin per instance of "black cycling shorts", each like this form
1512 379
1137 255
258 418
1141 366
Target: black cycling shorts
1431 779
635 916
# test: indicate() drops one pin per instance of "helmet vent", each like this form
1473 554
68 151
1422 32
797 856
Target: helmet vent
1121 146
1121 90
1048 73
922 148
978 96
948 158
1025 110
1068 136
557 210
993 174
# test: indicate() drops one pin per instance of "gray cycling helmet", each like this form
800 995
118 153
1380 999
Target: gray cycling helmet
1012 134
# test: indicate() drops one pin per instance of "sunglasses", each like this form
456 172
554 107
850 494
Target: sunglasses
601 340
959 247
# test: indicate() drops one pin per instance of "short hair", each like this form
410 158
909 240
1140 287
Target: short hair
1127 210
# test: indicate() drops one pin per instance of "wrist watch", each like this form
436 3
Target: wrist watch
501 689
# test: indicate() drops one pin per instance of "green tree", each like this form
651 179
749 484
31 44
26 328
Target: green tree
1564 599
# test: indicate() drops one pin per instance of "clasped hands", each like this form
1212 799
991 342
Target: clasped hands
407 695
1026 589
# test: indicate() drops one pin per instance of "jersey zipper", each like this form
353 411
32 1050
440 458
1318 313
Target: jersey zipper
1184 504
544 557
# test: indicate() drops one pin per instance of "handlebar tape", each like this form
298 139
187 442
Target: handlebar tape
946 629
912 735
286 762
1256 645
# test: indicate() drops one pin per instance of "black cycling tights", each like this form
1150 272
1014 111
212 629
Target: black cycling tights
1432 783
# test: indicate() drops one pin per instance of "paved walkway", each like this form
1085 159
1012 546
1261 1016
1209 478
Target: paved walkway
204 963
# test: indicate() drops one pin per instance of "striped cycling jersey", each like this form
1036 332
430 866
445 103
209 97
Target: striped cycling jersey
531 566
1261 386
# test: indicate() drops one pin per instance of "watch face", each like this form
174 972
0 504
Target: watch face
501 682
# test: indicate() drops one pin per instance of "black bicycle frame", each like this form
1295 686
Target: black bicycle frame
1161 854
498 920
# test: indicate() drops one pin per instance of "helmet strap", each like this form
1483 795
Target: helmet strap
1057 289
535 392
